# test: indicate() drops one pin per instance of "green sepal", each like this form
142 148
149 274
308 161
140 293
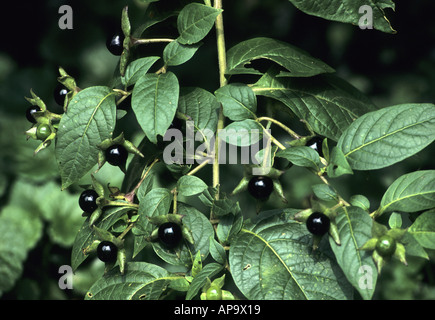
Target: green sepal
197 264
369 245
97 186
125 22
170 217
124 56
43 145
121 258
242 186
399 253
105 235
299 142
95 215
378 230
303 215
66 80
131 148
31 133
218 282
91 248
187 234
379 260
316 241
333 232
277 187
396 233
154 235
35 100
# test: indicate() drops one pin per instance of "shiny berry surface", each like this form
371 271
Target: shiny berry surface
43 131
116 155
260 187
107 251
115 44
170 234
318 223
88 200
386 246
59 94
316 144
30 111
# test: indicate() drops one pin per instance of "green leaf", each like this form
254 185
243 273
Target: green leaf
298 62
301 156
209 271
137 69
154 102
184 254
141 281
272 259
238 101
176 53
384 137
190 185
423 229
200 106
355 229
217 251
228 227
89 120
338 164
242 133
327 103
195 22
411 192
324 192
348 11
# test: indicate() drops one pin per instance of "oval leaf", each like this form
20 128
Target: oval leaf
195 22
176 53
190 185
423 229
384 137
154 102
301 156
242 133
411 192
238 101
89 120
355 228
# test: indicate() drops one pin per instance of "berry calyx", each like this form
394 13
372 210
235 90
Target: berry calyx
316 144
386 246
30 111
115 44
318 223
59 94
214 293
43 131
260 187
107 251
116 155
170 234
88 200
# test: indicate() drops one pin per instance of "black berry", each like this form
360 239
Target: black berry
88 200
59 94
318 223
107 251
170 234
116 155
30 111
260 187
316 144
115 44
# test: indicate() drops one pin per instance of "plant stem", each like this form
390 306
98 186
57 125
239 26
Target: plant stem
219 25
287 129
146 41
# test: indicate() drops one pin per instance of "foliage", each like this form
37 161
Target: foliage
272 99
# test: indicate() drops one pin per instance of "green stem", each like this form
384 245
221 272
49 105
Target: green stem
146 41
287 129
222 81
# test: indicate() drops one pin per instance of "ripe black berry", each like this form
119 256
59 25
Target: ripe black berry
316 144
30 111
88 200
170 234
107 251
59 94
318 223
116 155
260 187
115 44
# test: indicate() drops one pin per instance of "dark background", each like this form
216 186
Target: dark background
390 69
